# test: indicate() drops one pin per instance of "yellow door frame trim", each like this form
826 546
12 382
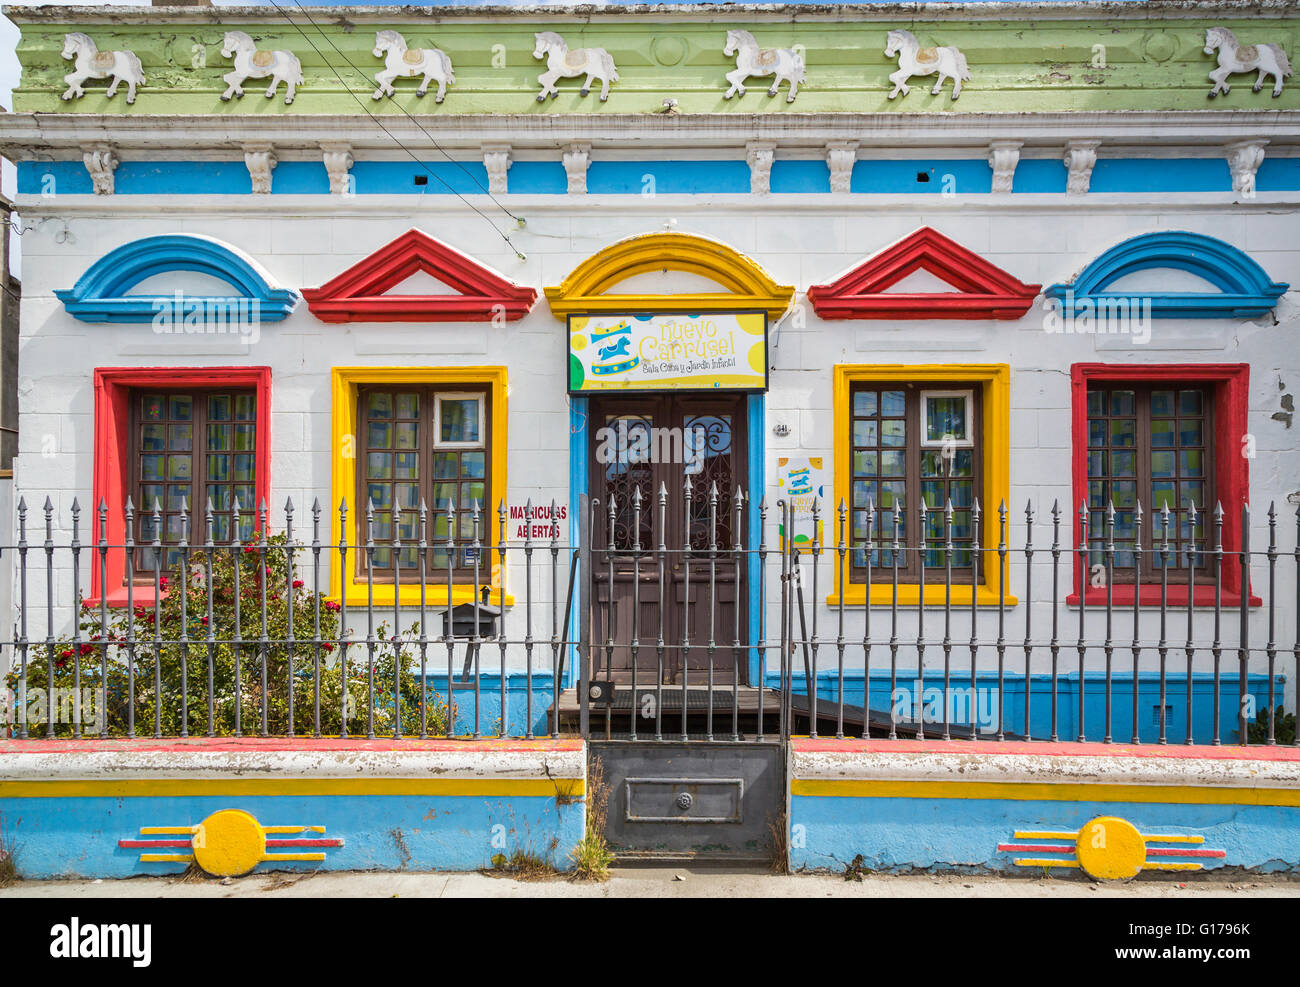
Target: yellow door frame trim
995 407
344 382
586 289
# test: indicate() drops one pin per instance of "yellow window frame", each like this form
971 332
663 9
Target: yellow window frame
345 382
995 444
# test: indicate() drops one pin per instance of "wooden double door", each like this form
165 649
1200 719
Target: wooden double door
647 584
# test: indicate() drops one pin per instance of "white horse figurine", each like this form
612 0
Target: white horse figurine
253 63
948 61
1234 57
784 63
561 63
91 63
403 62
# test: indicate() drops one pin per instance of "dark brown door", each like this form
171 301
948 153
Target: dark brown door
662 593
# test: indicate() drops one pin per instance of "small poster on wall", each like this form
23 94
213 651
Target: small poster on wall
800 479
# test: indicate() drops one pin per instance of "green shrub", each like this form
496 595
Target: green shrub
179 653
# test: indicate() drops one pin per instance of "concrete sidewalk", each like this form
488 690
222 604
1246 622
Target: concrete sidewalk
654 882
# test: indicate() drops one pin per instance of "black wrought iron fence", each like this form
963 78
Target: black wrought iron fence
743 629
1142 651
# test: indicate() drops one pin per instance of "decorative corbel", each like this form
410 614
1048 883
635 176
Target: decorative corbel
101 161
840 158
576 158
760 155
1080 157
496 159
261 161
338 161
1003 158
1244 159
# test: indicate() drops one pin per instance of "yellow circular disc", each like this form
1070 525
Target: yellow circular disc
756 354
229 843
577 342
1111 849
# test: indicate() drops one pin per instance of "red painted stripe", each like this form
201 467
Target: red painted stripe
153 844
256 744
1176 852
1225 752
1035 847
304 842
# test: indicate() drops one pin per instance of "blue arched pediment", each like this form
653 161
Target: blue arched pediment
102 294
1245 290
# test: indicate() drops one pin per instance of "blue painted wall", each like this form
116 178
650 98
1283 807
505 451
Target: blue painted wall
65 837
490 718
1067 701
898 834
964 176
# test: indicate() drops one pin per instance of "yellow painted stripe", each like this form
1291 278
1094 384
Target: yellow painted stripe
1166 838
1035 834
294 856
1043 791
1150 866
166 858
179 787
283 829
1045 862
166 830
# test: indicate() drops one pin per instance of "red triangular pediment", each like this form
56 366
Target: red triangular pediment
981 290
479 293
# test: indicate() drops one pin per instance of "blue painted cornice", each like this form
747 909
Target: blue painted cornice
101 294
1245 291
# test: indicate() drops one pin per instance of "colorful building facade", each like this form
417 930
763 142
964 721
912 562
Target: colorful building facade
521 260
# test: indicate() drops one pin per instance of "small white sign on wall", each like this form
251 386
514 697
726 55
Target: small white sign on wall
800 480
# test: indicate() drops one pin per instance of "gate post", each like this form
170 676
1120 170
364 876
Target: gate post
584 613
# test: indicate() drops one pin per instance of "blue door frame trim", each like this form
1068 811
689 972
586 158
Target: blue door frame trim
579 475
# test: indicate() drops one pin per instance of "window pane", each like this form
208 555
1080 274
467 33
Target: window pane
218 438
945 416
1123 432
152 408
893 403
1122 402
864 403
458 420
866 463
407 405
219 407
473 464
180 407
445 465
153 438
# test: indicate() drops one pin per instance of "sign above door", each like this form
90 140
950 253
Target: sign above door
711 351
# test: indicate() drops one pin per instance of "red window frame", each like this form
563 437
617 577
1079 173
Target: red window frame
1230 386
111 483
